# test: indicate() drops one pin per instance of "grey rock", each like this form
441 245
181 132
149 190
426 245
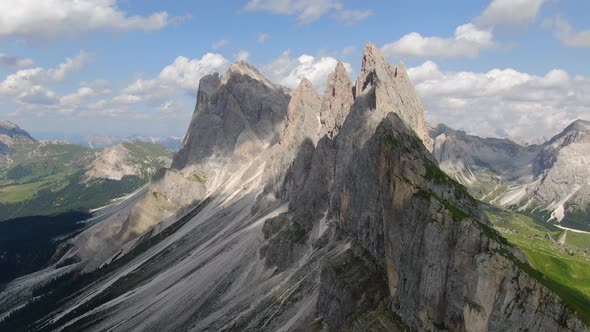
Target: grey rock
324 222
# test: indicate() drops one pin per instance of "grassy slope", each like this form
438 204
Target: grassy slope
48 179
565 268
578 240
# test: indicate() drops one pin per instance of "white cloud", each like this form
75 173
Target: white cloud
171 107
71 64
14 61
289 71
180 77
510 12
263 37
242 55
468 40
308 11
219 44
28 85
77 98
567 34
521 104
160 94
55 18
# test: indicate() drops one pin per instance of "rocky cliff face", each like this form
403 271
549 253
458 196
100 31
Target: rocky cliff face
311 213
550 180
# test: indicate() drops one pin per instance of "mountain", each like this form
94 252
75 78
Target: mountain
97 142
550 181
49 177
12 140
296 212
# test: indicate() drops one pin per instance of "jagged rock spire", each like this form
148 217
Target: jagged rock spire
302 114
336 102
392 90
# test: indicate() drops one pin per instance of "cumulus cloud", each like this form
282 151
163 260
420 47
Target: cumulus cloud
502 100
289 71
468 40
11 61
263 37
171 107
569 35
242 55
510 12
55 18
307 11
76 99
183 74
29 85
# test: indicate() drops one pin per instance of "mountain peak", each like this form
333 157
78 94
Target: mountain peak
373 64
7 124
303 94
576 132
304 86
340 69
401 71
337 100
579 125
371 51
11 129
243 68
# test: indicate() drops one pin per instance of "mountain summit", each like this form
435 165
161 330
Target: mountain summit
302 212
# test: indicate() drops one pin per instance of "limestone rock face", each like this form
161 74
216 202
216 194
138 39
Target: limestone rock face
238 113
337 100
392 90
552 178
311 213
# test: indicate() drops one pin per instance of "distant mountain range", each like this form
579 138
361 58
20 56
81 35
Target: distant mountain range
102 141
550 181
97 142
48 177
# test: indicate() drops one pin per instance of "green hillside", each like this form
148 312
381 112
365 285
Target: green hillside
562 258
48 178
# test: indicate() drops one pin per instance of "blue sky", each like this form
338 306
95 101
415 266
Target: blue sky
516 68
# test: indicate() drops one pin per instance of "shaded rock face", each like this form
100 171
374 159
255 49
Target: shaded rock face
336 217
552 178
236 114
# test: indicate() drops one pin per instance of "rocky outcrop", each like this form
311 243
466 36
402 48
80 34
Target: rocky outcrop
112 164
121 160
312 216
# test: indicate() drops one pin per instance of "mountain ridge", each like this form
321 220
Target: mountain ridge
548 180
263 224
